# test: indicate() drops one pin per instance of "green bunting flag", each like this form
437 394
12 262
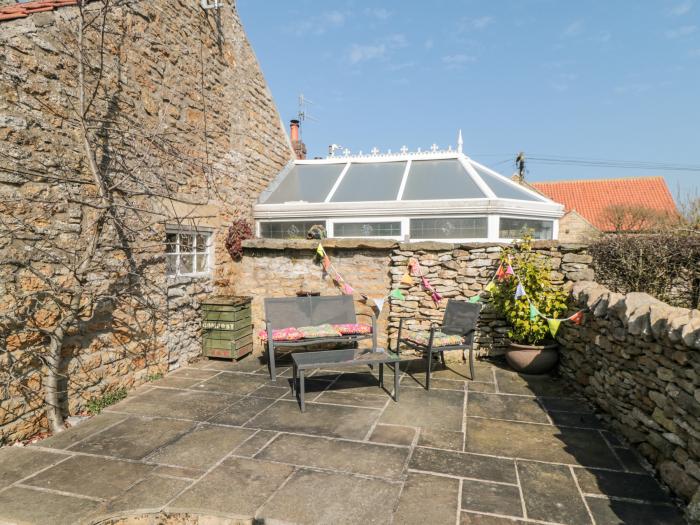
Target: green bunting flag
396 294
533 312
553 326
320 251
475 299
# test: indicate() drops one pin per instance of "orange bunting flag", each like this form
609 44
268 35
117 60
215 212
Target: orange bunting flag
577 318
500 273
414 267
406 279
326 262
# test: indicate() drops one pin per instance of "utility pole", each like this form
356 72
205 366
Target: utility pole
520 163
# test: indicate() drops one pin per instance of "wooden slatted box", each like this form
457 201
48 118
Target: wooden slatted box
227 328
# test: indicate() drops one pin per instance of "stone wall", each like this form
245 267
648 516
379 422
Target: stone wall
638 359
278 268
184 110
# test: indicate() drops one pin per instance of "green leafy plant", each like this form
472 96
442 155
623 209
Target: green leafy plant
98 404
533 269
154 377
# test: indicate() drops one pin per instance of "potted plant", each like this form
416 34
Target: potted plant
532 348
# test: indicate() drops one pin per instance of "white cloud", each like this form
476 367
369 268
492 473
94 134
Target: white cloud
376 50
457 61
465 24
319 25
575 28
681 9
361 53
377 12
680 32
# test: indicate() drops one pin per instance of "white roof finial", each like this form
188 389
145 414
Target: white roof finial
460 142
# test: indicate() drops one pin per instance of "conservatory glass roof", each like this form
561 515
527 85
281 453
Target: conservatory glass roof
398 178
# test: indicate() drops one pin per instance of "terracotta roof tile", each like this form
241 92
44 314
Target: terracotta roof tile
22 10
591 198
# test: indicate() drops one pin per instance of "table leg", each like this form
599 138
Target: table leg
381 375
294 378
396 382
301 389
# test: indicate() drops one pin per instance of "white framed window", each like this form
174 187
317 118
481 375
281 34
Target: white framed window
449 228
188 251
296 229
377 228
514 228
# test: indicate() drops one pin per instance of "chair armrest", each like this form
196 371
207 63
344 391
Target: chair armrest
374 328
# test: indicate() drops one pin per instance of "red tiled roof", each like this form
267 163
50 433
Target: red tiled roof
591 198
14 11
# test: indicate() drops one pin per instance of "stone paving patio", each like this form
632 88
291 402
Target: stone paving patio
219 439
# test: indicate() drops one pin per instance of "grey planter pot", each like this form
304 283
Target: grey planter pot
532 359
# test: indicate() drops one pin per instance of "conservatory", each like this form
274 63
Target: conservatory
436 195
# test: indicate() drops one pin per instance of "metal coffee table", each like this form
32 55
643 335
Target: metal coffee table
342 358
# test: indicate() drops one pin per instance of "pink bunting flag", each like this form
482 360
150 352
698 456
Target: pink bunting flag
347 289
414 267
436 297
426 284
509 270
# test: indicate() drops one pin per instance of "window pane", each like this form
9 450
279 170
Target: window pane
504 189
378 181
171 264
201 262
201 242
516 228
186 263
170 242
439 179
186 242
450 228
306 182
287 230
367 229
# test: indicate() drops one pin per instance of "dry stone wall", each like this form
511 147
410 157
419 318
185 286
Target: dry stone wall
172 71
278 268
638 359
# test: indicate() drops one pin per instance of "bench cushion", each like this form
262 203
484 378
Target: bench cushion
353 328
322 330
282 334
439 339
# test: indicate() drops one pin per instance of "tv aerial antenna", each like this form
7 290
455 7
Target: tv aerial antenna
302 111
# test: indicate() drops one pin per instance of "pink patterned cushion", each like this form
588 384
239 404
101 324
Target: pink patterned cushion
353 328
322 330
282 334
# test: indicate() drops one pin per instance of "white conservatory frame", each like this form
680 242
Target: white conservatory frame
491 206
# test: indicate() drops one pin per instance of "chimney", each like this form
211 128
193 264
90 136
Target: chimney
297 145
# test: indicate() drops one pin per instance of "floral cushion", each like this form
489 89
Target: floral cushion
282 334
353 328
439 339
322 330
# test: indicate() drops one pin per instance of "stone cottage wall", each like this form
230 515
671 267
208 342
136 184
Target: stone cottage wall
173 69
638 359
280 268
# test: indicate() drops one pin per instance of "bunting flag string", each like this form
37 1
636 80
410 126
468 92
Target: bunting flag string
416 270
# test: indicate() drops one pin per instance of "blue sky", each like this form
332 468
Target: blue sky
585 80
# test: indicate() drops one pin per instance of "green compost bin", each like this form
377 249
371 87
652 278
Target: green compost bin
227 328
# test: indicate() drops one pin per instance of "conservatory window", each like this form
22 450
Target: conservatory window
515 228
450 228
287 229
188 252
367 229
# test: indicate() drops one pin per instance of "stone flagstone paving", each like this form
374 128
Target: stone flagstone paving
219 439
